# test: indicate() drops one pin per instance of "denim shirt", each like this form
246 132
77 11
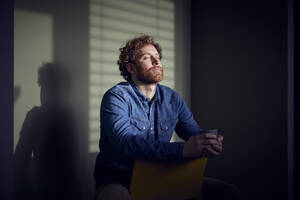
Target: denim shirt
135 127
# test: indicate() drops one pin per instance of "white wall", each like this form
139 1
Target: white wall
33 44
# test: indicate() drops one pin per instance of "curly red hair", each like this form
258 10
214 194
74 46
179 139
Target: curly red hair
129 52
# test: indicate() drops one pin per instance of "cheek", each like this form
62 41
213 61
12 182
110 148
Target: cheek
146 63
145 66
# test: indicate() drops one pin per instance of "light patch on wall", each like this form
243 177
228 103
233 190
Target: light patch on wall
33 45
111 24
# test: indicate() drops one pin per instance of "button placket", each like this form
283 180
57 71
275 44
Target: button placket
151 119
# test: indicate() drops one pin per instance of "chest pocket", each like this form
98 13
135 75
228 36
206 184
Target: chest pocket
140 125
168 125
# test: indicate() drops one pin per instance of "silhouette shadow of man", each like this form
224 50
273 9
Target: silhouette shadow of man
45 153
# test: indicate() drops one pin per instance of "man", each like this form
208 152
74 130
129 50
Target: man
138 118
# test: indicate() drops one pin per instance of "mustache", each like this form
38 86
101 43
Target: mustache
154 68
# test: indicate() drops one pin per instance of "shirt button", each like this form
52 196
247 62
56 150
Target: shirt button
151 128
144 127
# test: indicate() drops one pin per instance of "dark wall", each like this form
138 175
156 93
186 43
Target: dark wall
239 85
6 105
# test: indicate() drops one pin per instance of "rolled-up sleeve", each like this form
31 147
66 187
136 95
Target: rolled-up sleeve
127 140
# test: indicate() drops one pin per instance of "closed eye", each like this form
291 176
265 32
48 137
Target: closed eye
146 57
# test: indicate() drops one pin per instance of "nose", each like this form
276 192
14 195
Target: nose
155 61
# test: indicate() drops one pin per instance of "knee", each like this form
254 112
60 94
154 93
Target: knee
232 192
216 189
113 192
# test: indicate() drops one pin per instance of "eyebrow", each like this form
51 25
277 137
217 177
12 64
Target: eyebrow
157 54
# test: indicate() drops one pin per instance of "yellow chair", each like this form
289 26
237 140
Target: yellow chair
163 180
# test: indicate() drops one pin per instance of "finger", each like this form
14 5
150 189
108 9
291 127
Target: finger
212 151
204 153
210 142
217 148
219 141
220 138
208 136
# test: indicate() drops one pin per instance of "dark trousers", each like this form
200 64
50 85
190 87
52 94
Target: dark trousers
213 189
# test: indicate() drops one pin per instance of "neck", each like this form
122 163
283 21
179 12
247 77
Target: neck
147 89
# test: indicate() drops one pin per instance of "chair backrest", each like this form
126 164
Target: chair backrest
163 180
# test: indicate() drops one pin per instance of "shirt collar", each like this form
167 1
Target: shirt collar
142 96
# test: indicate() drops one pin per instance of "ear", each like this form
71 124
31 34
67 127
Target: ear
131 68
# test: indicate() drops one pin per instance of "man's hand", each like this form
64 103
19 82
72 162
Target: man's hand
204 145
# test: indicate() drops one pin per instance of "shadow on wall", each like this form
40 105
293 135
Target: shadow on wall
45 162
17 93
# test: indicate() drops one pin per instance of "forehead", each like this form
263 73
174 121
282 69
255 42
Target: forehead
148 49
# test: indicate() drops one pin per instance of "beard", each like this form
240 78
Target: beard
150 76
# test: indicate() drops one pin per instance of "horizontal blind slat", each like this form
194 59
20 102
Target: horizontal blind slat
128 16
139 7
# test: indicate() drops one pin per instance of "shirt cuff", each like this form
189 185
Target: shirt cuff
178 150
